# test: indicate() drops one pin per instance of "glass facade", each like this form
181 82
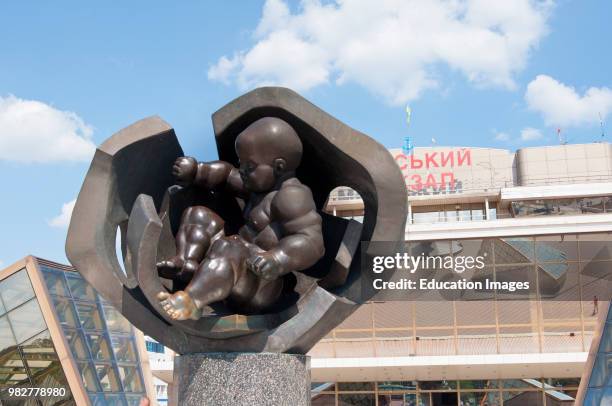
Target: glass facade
27 354
102 341
565 324
508 392
568 207
447 328
599 388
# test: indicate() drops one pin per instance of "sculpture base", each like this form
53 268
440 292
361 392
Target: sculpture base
236 379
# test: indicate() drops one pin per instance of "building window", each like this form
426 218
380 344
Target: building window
155 347
568 207
448 213
16 290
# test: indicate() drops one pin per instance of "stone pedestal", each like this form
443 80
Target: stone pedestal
241 379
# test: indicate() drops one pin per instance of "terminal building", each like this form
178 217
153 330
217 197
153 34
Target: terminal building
538 211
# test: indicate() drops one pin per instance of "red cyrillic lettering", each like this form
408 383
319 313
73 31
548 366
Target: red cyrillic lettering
466 156
445 158
418 182
429 158
414 161
431 181
403 157
451 182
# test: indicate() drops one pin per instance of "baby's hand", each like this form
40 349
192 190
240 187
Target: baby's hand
184 170
265 266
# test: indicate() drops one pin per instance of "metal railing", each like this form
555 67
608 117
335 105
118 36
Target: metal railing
346 194
529 181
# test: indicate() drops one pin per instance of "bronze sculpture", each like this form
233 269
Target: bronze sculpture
130 192
282 230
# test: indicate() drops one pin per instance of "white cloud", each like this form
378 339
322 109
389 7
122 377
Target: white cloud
502 136
32 131
562 106
531 134
391 47
223 69
62 220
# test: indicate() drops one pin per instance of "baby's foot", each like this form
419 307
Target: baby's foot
179 305
177 267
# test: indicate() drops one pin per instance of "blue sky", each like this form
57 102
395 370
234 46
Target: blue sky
473 72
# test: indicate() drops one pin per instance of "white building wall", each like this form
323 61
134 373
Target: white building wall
572 163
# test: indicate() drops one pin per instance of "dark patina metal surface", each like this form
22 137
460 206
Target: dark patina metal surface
129 189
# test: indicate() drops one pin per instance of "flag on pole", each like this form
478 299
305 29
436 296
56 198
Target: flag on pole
408 114
407 145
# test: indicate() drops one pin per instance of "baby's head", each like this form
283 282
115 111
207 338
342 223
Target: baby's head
268 149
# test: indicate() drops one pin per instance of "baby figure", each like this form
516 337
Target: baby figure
282 231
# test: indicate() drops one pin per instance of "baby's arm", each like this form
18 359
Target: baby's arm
209 175
301 245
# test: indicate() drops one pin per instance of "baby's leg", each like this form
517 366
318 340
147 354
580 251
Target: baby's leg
213 282
198 226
